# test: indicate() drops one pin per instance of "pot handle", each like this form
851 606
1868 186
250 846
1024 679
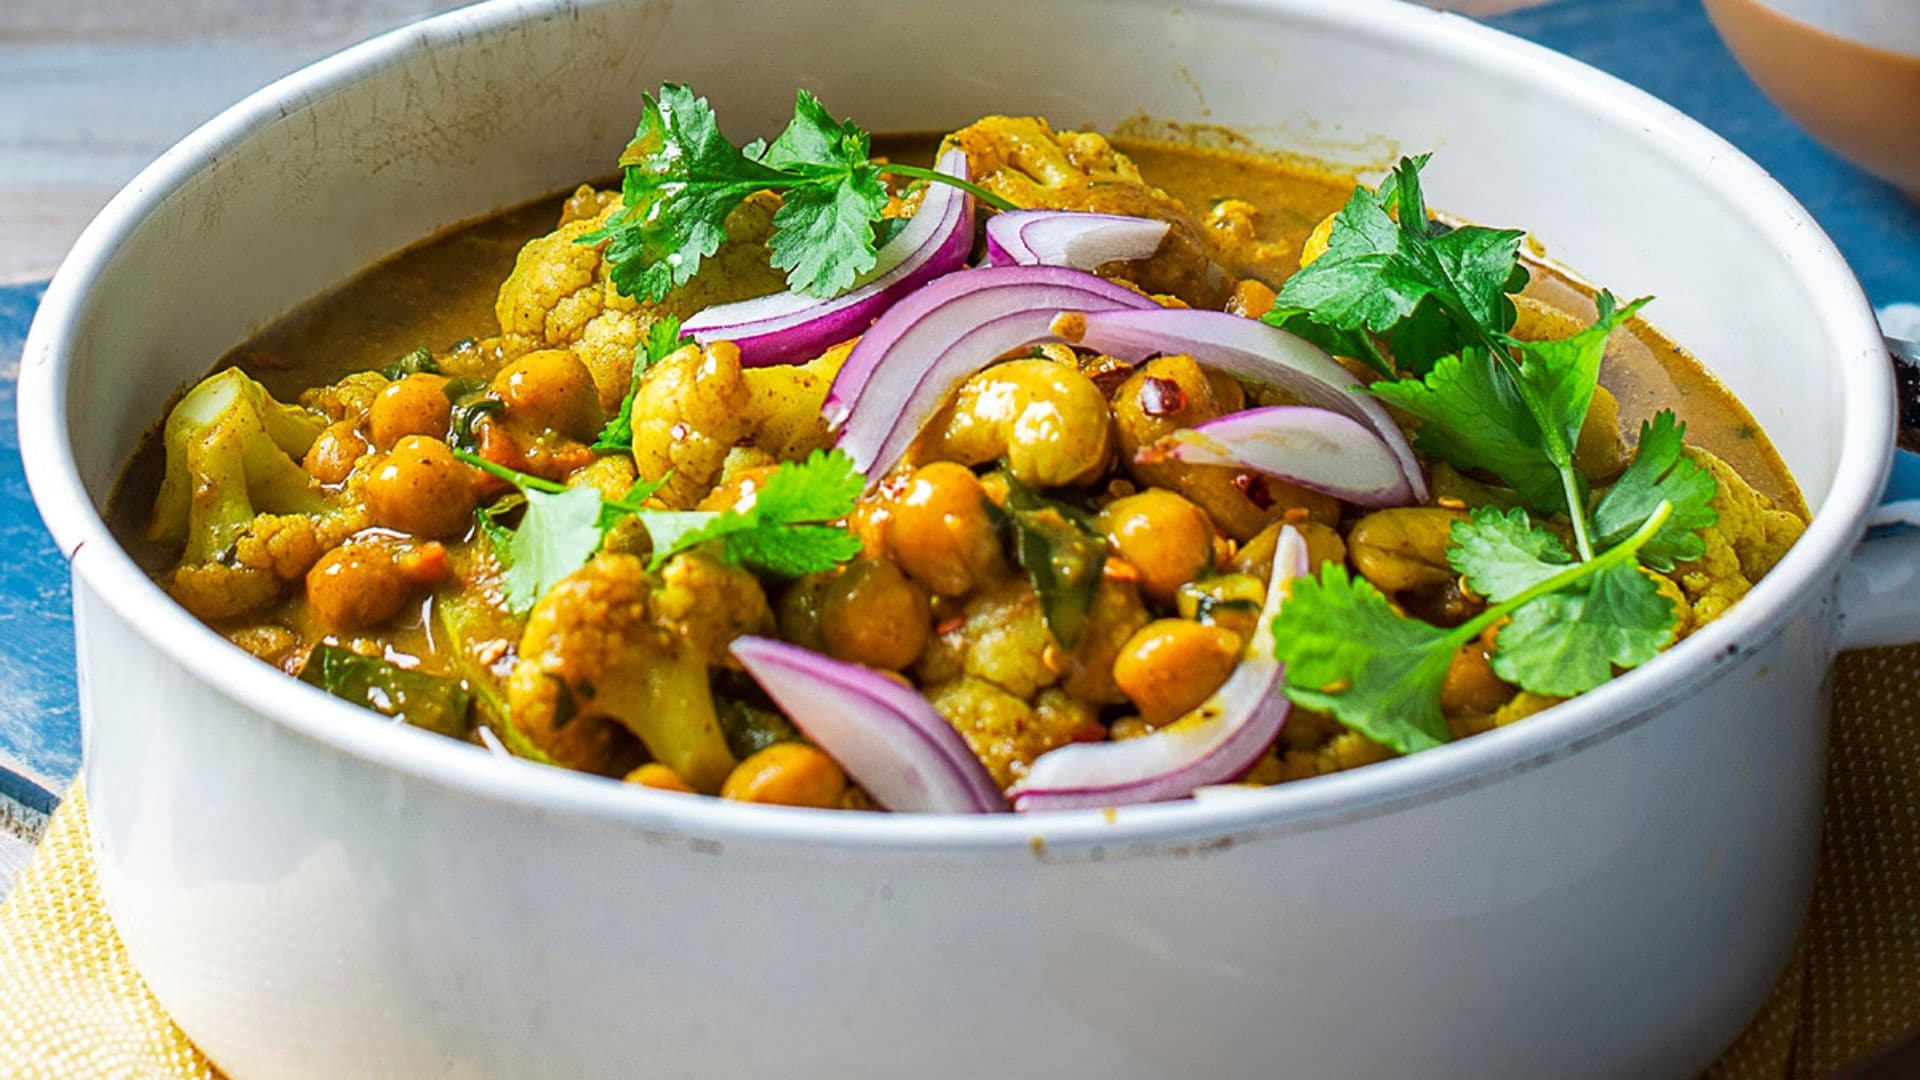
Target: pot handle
1880 588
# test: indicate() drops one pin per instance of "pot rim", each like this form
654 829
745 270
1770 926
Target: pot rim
1800 580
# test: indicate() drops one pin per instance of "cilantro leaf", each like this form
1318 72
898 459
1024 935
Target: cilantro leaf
1504 554
1519 421
784 531
1348 653
1569 642
813 138
1567 625
662 340
1425 289
1473 417
682 179
556 536
560 528
824 236
1563 373
792 550
1660 473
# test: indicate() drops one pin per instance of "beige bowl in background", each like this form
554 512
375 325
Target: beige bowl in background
1846 70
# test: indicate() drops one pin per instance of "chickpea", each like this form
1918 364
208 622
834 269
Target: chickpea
415 405
361 585
1165 537
1049 421
799 612
941 532
660 778
551 390
1404 548
332 456
1324 546
1471 686
788 774
1600 453
1169 667
871 614
1251 298
421 488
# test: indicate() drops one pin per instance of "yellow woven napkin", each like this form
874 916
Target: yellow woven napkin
72 1005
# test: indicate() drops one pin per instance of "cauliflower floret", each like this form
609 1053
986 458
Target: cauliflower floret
234 496
1023 160
1750 537
690 410
698 408
348 399
216 591
560 294
614 643
1002 638
1006 733
287 545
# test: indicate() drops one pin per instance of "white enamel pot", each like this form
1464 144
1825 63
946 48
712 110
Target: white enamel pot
1608 889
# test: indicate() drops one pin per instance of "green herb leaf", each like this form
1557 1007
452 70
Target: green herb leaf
824 236
560 528
682 179
1570 641
1660 473
418 362
414 697
464 433
1504 554
1473 417
1062 553
1427 290
663 340
784 531
1563 373
1348 653
556 536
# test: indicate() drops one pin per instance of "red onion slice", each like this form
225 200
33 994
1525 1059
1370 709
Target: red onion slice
884 734
1316 448
1084 241
791 326
1215 743
902 370
1252 350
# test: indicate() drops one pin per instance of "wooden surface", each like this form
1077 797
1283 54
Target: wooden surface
91 90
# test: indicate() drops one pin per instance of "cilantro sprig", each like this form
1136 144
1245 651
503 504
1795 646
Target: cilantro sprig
1411 286
785 532
1428 307
1349 653
682 177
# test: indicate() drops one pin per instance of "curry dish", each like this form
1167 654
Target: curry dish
1010 469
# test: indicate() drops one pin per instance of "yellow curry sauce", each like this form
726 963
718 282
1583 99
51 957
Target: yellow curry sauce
979 650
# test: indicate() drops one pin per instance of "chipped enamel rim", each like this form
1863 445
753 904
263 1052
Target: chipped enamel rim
1801 579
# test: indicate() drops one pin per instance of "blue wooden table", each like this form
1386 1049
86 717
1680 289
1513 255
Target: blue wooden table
1665 46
